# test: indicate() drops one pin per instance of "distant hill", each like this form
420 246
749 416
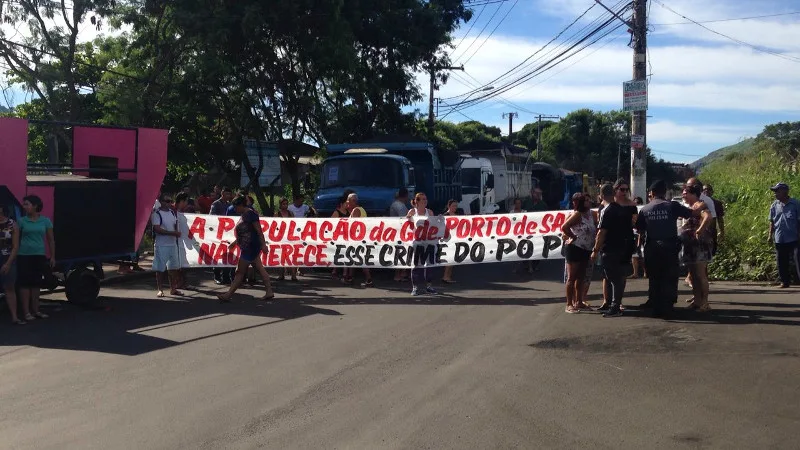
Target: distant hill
3 109
744 146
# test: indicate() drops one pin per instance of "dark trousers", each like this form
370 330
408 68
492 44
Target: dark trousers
419 277
614 265
787 257
224 274
661 262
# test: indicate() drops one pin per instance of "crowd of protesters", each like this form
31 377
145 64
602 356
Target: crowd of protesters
654 238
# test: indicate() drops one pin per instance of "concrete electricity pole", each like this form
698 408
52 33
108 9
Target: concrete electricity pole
639 124
638 91
511 116
433 70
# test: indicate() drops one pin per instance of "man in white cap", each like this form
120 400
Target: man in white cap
783 228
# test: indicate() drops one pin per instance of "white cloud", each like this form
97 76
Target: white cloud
664 131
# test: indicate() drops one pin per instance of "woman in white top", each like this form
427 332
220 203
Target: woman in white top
419 275
580 231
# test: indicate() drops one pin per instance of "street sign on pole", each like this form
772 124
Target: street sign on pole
637 141
634 95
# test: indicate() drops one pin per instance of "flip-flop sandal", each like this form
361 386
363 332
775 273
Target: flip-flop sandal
223 299
176 293
266 298
160 294
572 310
40 315
448 281
18 322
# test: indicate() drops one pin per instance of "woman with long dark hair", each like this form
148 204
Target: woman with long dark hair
419 275
580 231
251 243
36 235
697 241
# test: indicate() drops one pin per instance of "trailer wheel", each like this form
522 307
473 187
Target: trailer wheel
82 287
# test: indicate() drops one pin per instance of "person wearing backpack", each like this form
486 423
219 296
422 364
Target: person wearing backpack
166 258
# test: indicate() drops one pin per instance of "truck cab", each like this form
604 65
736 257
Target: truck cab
376 171
478 194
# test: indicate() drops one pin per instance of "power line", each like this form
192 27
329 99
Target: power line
468 30
579 34
479 33
727 20
738 41
493 30
545 45
552 62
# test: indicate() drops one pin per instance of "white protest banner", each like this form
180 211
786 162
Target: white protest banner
388 242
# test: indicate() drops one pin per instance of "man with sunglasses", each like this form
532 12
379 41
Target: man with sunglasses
614 244
166 258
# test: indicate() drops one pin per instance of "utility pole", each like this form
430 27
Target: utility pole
639 124
539 133
511 116
619 159
433 70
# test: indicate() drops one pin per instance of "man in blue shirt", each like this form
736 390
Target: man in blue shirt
783 227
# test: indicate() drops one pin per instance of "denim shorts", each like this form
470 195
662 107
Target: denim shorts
166 257
10 278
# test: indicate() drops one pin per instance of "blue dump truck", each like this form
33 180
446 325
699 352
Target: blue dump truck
557 185
376 170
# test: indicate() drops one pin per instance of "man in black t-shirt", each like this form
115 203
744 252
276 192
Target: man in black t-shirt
657 225
614 242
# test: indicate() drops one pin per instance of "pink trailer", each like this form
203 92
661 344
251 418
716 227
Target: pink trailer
100 203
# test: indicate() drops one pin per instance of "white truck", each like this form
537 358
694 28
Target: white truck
492 175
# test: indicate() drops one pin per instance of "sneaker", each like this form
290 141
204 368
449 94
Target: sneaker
431 290
615 312
415 292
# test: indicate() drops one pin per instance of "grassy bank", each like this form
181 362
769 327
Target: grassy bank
742 182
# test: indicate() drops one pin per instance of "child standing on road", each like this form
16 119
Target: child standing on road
419 275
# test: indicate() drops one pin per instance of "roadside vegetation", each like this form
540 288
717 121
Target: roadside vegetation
741 181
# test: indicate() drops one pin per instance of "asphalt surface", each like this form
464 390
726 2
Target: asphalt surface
493 362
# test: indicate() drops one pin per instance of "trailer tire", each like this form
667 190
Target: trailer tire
82 287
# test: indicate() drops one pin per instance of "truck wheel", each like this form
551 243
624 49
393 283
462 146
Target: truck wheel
82 287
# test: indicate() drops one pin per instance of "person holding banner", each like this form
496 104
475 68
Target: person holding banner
355 212
580 231
419 275
251 243
286 212
452 210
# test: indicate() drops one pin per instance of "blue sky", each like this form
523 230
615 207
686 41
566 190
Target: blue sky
706 91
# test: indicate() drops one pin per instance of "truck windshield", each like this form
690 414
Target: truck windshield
380 172
471 181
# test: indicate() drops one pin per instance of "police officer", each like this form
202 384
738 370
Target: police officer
657 224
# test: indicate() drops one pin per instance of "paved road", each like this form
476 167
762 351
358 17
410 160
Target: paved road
493 363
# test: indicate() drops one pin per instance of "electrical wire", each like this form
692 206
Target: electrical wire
573 38
560 33
479 34
468 30
726 20
738 41
553 62
493 30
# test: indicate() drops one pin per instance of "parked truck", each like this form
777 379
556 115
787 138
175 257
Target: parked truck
493 174
377 170
557 185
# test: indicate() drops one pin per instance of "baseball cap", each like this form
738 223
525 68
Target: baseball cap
779 186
